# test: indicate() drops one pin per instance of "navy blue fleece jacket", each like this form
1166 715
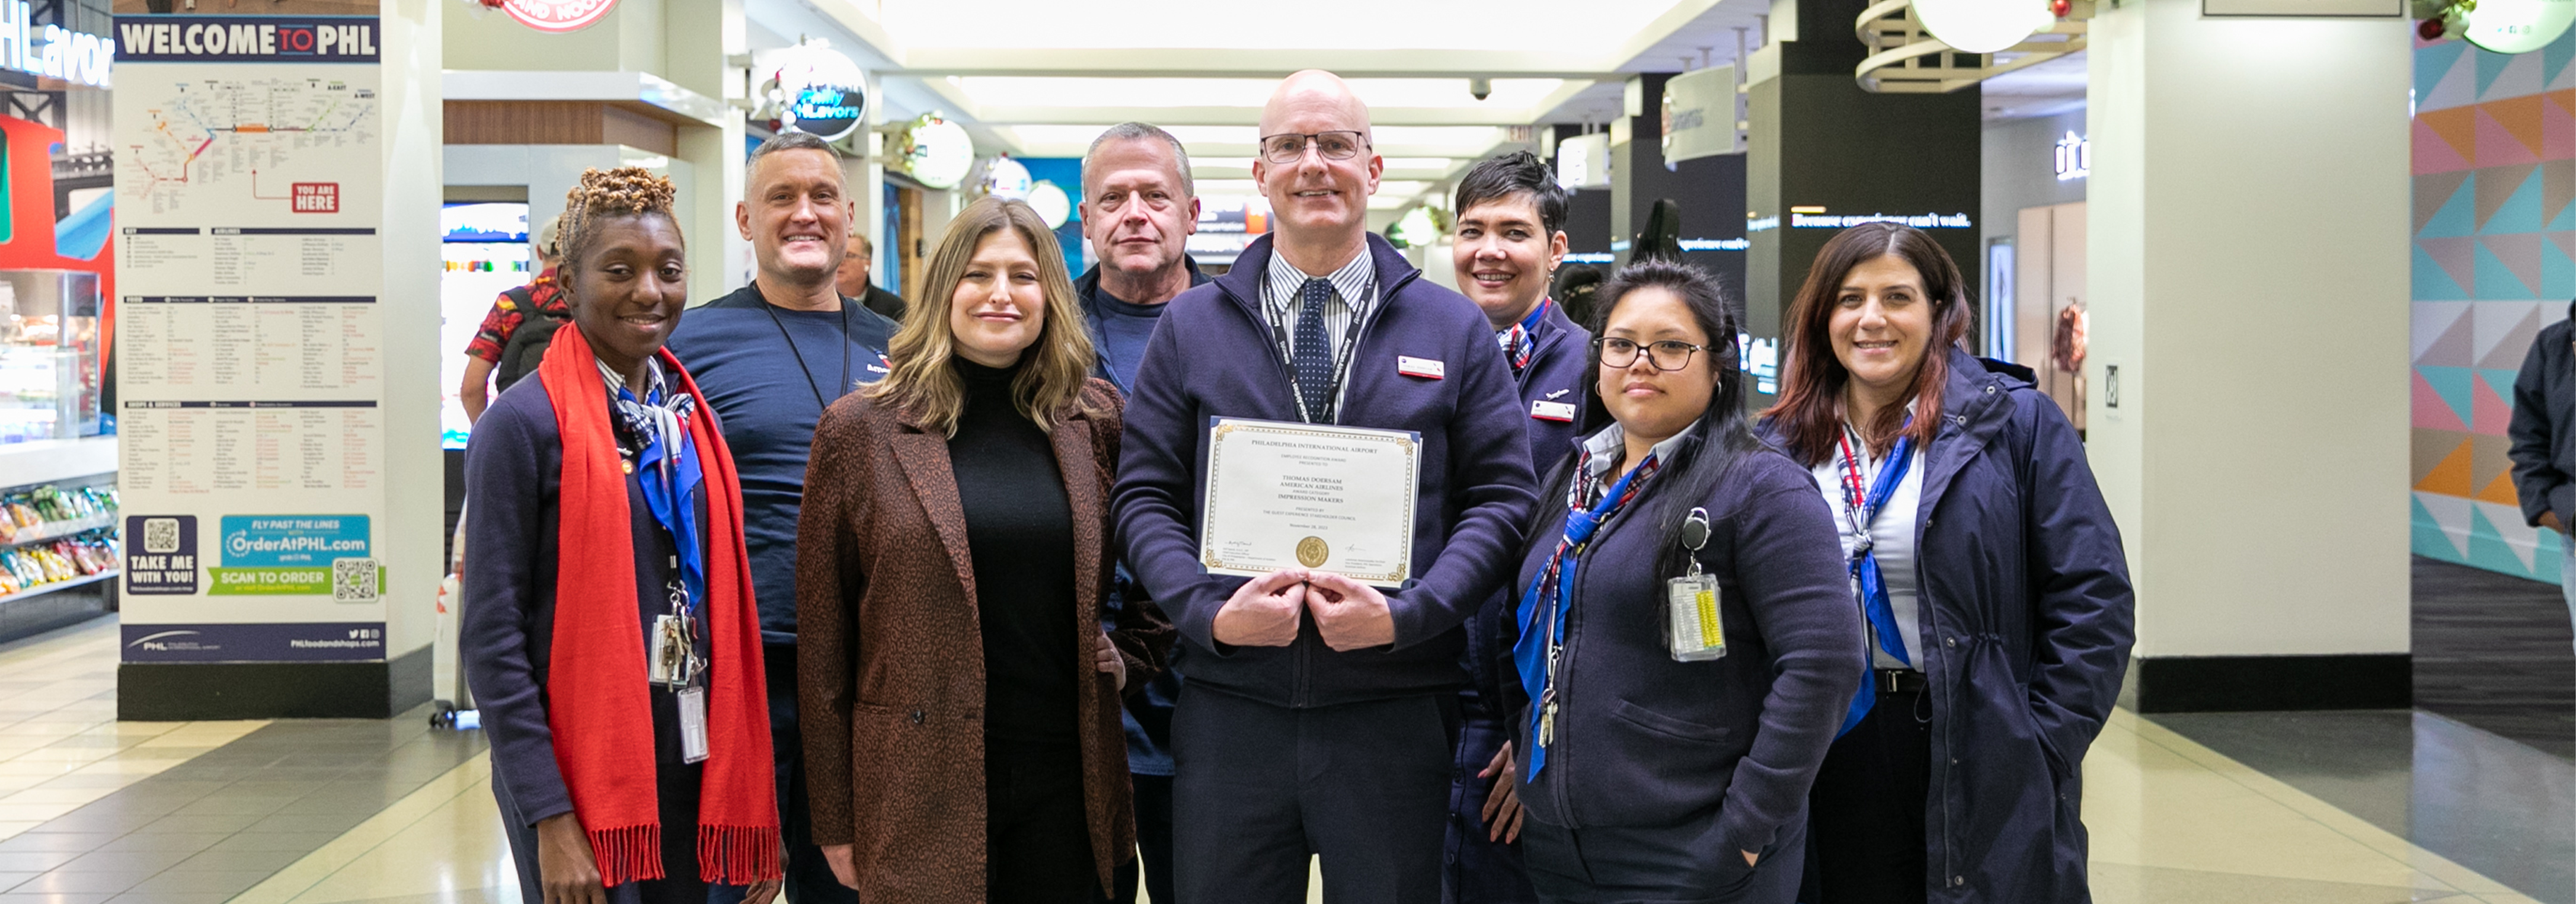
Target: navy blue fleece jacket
1213 356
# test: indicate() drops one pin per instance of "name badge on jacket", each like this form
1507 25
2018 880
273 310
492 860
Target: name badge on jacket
1420 367
1561 412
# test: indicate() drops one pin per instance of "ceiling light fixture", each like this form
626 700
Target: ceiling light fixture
1982 26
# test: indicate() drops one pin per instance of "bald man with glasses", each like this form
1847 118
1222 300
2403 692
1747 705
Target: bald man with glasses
1320 714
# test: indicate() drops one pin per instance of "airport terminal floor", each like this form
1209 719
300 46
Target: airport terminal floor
2357 807
2152 265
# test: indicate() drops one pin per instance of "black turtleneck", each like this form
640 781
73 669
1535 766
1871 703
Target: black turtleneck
1019 534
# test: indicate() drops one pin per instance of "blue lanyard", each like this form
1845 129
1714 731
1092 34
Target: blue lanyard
671 475
1533 655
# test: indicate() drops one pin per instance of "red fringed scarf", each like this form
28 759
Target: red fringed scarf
599 704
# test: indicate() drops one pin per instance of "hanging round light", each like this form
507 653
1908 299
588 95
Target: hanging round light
1982 26
1051 203
813 88
1002 177
935 152
2517 26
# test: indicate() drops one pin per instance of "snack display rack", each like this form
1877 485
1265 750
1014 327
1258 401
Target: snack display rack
60 549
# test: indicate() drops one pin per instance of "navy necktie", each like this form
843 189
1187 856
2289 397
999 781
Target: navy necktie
1312 361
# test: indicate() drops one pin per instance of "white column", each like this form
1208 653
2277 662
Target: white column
414 124
2248 253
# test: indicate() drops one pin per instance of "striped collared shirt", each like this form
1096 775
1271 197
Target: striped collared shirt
1354 293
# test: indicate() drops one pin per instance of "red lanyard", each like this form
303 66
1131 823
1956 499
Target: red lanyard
1855 487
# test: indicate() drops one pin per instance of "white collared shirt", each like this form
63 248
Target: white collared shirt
1354 292
1609 446
1891 537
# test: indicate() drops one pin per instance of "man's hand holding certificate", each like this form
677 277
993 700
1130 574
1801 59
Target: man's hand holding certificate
1350 615
1264 611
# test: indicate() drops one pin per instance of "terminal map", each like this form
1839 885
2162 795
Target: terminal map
220 142
251 354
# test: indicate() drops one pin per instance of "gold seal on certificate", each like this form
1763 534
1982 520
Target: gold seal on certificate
1312 551
1289 495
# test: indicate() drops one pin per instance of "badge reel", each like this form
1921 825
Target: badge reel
674 664
1693 629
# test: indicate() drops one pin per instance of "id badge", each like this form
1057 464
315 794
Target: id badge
667 663
693 724
1693 630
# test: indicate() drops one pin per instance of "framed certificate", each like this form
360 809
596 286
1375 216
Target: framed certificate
1289 495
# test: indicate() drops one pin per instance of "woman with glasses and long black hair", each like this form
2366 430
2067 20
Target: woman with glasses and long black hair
1991 576
1685 631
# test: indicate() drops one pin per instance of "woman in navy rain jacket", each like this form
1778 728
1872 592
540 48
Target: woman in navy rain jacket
1994 579
1648 775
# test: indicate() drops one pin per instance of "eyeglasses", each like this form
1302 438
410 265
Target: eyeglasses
1669 354
1290 147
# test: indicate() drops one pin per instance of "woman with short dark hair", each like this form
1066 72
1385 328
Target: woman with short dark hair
612 642
1990 575
1684 637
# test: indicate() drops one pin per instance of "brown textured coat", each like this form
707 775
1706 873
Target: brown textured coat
890 662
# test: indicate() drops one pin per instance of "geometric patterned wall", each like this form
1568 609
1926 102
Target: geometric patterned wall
2495 260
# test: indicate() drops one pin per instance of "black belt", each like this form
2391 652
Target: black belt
1897 681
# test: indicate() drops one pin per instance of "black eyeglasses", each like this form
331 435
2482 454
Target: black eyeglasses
1290 147
1670 354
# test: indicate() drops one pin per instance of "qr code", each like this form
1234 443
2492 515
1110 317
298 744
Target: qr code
160 535
353 580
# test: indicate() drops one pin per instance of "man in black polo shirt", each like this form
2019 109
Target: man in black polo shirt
770 357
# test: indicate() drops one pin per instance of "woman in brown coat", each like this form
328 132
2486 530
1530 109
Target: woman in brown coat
953 563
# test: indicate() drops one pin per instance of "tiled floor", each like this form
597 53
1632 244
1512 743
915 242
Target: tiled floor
2498 806
2495 651
2276 810
179 813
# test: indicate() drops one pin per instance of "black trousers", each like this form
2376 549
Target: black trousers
1681 864
809 876
1153 841
1365 786
1037 834
1474 868
1866 808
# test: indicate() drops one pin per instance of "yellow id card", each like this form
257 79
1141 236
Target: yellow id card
1693 628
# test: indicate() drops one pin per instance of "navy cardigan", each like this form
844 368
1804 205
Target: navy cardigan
1213 356
1643 740
1560 365
513 481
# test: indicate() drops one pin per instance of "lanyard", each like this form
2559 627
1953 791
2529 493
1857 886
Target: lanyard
820 403
1862 505
1868 584
1341 368
1520 342
671 474
1537 654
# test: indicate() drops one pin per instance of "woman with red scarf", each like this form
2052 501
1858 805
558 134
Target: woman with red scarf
609 636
